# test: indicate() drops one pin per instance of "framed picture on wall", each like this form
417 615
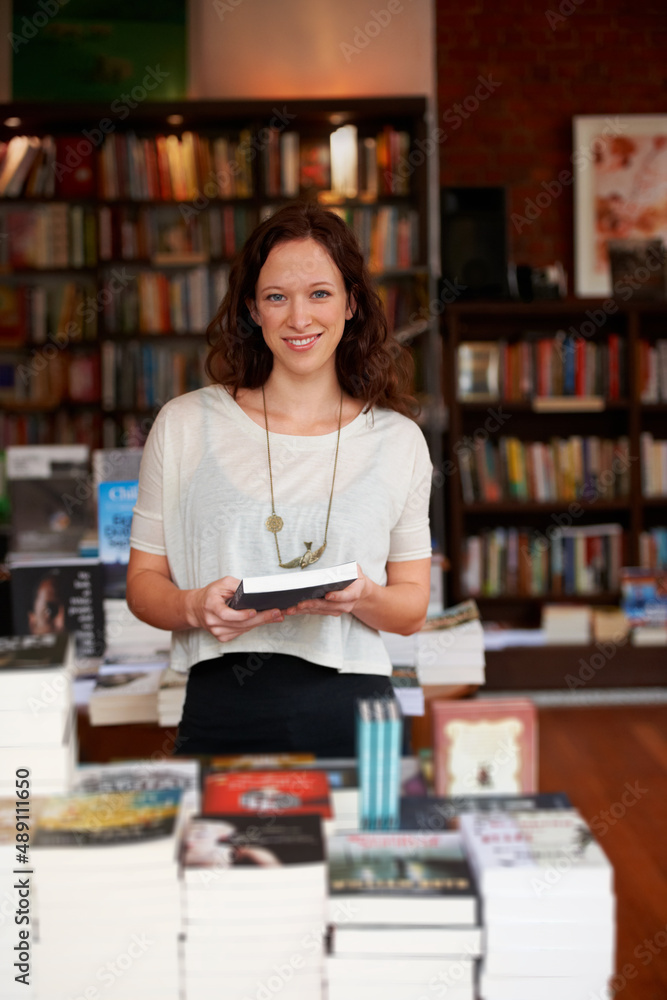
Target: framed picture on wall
620 191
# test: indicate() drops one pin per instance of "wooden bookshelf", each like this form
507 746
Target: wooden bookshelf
475 425
232 164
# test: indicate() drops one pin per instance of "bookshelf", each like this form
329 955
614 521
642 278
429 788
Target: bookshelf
550 429
138 219
120 234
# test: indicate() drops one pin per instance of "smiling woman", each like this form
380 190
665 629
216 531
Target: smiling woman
309 415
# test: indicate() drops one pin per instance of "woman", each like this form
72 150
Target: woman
301 450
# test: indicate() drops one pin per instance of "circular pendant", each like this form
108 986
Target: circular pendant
274 523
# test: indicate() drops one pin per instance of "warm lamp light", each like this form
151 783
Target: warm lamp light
12 122
344 161
175 119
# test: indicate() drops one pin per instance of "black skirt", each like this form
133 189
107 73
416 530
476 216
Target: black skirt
272 703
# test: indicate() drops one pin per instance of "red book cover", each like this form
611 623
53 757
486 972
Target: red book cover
284 792
485 746
75 174
12 316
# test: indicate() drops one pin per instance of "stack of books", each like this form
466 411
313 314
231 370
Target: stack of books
254 906
548 904
37 724
404 913
379 734
112 854
126 690
449 649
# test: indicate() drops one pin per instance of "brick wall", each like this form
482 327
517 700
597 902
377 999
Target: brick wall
543 62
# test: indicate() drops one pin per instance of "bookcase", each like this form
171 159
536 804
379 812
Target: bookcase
556 450
119 229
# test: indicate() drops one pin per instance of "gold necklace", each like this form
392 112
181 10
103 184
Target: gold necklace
274 522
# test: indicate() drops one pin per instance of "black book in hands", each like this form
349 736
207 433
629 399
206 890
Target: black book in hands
284 590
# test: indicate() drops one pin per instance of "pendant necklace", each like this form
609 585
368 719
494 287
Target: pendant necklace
274 522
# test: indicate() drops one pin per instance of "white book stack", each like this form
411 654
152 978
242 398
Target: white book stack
37 723
449 649
548 905
254 906
106 885
404 913
125 693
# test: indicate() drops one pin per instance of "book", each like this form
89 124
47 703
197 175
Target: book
435 813
59 595
517 853
143 821
408 941
285 590
115 505
485 746
401 878
125 693
289 792
50 497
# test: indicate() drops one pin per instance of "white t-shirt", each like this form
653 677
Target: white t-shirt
204 496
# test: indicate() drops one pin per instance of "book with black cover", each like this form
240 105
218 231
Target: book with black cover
440 812
285 590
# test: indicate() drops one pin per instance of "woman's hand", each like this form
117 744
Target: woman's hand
207 608
337 602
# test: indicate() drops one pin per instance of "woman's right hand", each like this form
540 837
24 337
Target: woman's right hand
207 608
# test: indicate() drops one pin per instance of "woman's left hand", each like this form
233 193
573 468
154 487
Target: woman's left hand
337 602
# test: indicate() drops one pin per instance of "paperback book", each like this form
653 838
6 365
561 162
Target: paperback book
51 596
285 590
291 792
401 878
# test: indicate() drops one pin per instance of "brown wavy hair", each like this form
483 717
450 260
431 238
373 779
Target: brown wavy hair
370 364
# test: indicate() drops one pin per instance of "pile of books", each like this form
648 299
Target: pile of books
548 904
379 733
107 880
37 715
404 915
254 906
449 649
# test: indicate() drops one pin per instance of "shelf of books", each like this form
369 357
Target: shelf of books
558 450
120 234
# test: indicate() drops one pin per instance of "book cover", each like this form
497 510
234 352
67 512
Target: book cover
397 865
50 497
58 596
441 812
287 589
231 840
485 746
509 851
92 820
115 504
25 652
292 792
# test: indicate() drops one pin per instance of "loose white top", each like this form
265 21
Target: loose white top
204 496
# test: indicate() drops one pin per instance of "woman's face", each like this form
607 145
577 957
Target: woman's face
301 305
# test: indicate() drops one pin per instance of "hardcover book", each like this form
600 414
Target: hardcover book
285 590
485 746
